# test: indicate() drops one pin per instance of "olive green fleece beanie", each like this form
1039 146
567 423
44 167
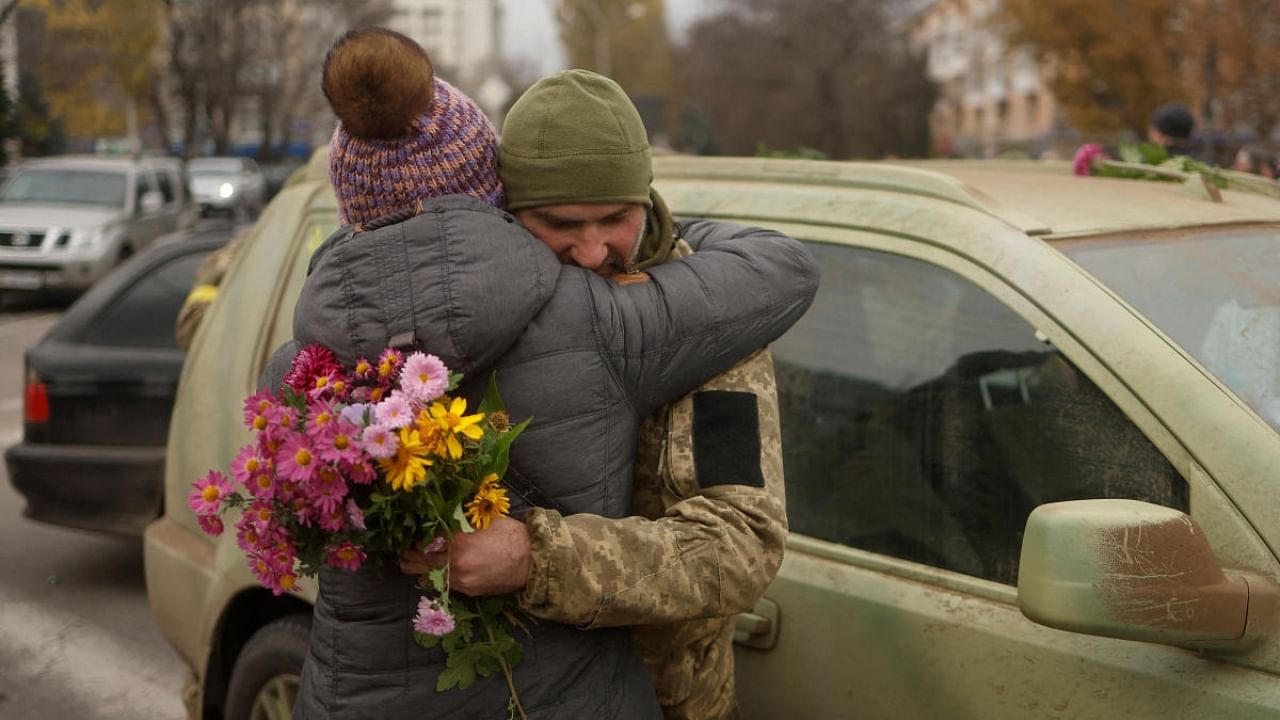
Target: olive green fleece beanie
574 137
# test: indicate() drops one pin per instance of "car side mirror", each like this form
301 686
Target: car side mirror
151 203
1137 571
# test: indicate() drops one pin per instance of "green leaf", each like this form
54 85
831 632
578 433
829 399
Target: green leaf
459 677
492 401
502 448
426 640
438 581
1152 153
1130 153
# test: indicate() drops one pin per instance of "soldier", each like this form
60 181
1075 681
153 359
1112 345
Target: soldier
710 520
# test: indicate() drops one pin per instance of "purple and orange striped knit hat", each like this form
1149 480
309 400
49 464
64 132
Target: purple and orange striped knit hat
403 135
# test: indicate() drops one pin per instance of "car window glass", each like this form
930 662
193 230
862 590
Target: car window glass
921 418
166 186
144 182
145 313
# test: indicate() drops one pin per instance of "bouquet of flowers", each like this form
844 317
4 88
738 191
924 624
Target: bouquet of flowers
372 460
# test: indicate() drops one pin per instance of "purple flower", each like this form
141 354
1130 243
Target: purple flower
354 413
1082 163
432 619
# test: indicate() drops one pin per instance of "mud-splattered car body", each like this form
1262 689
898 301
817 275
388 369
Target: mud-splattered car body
976 351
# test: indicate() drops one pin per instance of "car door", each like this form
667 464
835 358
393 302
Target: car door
923 417
146 224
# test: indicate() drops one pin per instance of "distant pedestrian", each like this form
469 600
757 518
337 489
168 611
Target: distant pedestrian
1256 160
1172 125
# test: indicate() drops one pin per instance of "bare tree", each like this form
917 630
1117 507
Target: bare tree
226 53
826 74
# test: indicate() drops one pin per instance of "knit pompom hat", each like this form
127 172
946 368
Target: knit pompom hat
403 135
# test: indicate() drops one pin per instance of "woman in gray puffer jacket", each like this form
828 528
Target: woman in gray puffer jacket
586 357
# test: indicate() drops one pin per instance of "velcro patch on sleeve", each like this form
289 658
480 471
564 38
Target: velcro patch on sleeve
726 438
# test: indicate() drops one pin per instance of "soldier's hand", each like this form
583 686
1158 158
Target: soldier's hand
492 561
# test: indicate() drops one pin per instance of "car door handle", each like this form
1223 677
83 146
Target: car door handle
758 628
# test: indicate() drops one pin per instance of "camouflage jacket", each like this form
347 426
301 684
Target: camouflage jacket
208 277
706 541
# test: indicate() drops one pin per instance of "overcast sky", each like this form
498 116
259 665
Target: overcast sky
529 33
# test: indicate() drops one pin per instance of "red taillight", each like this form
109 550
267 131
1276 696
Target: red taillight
35 406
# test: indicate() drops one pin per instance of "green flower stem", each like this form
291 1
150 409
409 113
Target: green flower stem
506 668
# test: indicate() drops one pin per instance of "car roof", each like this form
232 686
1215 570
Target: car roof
103 162
228 163
1038 198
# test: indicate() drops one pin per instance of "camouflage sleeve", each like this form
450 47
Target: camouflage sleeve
709 473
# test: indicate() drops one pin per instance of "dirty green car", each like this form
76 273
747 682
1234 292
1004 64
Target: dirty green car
1030 427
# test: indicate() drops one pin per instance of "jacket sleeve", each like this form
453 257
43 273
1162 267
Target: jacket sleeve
272 376
697 317
720 527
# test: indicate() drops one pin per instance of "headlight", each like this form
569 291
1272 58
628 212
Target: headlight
226 190
87 238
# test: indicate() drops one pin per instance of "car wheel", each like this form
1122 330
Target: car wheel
264 681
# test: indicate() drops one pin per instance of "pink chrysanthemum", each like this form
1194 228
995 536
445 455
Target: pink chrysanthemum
297 460
394 412
340 444
424 377
257 410
211 524
310 361
331 519
432 619
389 363
379 441
320 418
363 370
435 545
360 472
1082 163
262 515
327 491
347 556
328 385
208 493
247 464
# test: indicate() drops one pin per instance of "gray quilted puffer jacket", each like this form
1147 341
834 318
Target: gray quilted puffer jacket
587 359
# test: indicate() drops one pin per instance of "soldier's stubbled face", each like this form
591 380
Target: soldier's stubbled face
600 237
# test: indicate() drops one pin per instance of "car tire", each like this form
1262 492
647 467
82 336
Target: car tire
264 681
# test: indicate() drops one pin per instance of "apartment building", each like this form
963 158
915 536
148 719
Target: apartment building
992 98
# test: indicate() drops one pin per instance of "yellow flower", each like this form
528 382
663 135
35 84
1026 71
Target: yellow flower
490 501
453 422
432 435
409 465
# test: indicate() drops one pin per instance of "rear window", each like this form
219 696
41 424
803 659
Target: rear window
146 312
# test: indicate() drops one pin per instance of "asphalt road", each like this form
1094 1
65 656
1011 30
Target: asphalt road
76 635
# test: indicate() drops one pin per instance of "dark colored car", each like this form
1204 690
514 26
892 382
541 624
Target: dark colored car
99 392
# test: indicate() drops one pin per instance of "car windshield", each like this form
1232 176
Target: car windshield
1214 293
213 167
66 185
